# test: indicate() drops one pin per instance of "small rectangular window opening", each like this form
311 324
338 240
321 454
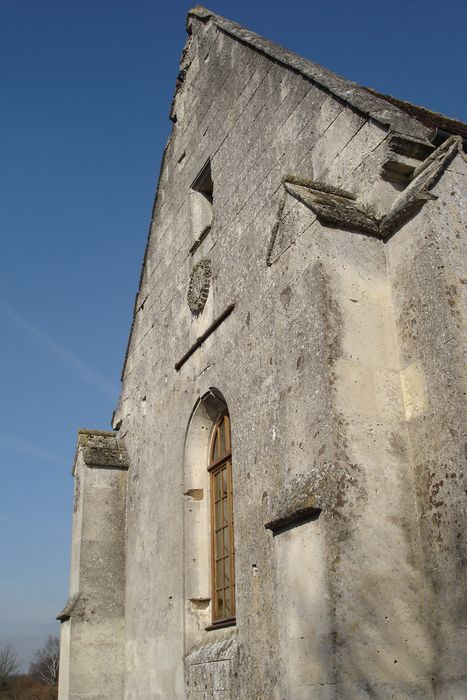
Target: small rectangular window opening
203 182
201 201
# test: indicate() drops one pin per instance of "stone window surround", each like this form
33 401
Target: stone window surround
197 520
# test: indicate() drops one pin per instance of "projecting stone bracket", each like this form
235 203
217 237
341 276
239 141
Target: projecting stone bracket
334 206
70 608
101 449
326 488
405 156
294 505
417 193
410 147
304 514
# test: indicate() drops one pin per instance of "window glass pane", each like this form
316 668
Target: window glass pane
215 446
217 486
219 541
222 532
227 606
219 573
220 605
222 437
218 515
226 532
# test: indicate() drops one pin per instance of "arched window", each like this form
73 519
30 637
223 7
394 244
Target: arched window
222 533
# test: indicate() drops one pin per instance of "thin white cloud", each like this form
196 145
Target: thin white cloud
15 444
61 354
7 522
33 578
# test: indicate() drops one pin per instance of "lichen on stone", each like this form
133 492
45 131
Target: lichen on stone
198 289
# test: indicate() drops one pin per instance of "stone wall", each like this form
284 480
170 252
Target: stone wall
426 262
93 621
332 605
317 297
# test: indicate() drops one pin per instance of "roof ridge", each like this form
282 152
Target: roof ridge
397 115
427 116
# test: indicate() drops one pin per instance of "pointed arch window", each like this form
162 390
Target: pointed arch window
222 524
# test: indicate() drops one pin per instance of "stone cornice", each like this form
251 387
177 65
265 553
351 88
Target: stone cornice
335 207
101 449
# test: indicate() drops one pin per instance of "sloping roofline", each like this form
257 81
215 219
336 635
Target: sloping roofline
398 115
426 116
389 112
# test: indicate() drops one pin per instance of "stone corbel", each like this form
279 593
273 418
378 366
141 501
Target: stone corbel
102 448
417 192
295 504
334 206
70 608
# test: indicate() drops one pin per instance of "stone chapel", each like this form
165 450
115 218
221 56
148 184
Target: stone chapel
277 511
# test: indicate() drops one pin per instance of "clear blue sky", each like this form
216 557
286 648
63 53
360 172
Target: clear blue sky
85 93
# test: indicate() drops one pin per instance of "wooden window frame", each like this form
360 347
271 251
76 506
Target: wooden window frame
222 462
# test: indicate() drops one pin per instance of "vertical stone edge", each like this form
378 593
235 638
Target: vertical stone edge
92 622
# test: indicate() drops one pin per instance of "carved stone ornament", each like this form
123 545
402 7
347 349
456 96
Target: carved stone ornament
198 290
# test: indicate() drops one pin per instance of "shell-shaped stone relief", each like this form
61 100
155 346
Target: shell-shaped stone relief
198 289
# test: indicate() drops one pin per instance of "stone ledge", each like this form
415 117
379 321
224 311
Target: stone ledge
102 433
101 449
324 488
296 503
417 193
411 147
105 457
222 647
334 209
317 186
69 608
334 206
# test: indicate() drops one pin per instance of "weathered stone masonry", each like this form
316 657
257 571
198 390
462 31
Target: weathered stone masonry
304 270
